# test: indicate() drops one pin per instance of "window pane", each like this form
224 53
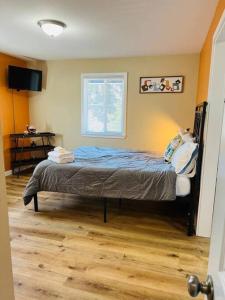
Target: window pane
96 99
96 93
114 106
96 119
103 112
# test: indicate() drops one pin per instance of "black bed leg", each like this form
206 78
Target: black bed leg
35 203
120 203
105 210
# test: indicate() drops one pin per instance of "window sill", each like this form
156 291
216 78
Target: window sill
103 136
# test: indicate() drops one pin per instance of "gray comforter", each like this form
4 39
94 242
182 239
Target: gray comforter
106 172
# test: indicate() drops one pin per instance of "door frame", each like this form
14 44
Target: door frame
6 276
213 129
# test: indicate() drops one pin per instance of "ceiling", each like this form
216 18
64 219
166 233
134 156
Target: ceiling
105 28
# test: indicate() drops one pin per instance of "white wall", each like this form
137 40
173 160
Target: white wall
152 119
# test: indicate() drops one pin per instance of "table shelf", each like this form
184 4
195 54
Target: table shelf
30 161
31 148
20 152
31 135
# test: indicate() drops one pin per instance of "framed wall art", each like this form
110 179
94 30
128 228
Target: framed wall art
162 84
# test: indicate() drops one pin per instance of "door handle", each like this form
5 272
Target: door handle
195 287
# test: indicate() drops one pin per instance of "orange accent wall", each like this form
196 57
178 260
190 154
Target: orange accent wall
205 55
21 106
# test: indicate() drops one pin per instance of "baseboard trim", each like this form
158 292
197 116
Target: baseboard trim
8 173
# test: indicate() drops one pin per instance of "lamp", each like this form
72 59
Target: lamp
52 28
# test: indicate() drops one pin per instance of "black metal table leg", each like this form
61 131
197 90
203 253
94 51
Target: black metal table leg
120 203
105 210
35 203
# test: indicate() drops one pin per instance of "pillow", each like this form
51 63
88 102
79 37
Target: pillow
186 135
172 147
184 159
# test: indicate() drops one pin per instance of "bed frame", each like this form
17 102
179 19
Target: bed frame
192 199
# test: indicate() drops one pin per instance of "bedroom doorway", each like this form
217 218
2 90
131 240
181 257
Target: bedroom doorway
216 96
214 286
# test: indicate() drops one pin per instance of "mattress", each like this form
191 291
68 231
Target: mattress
106 173
183 186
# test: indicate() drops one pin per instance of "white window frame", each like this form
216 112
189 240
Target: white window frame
84 131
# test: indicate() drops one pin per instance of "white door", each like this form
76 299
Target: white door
216 269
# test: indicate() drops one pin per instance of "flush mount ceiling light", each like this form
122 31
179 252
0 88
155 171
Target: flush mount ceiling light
52 28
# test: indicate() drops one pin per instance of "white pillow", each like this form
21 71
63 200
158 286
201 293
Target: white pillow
184 158
172 147
186 136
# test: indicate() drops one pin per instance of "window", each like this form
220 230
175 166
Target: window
104 104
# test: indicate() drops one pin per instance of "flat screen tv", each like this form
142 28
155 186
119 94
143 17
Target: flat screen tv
24 79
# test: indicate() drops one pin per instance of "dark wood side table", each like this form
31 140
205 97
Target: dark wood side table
19 149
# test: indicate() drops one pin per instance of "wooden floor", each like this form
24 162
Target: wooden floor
67 252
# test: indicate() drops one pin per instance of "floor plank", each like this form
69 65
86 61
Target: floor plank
65 251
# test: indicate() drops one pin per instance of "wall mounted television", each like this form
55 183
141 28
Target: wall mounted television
24 79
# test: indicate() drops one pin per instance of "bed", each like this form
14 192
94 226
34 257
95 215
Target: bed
109 173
